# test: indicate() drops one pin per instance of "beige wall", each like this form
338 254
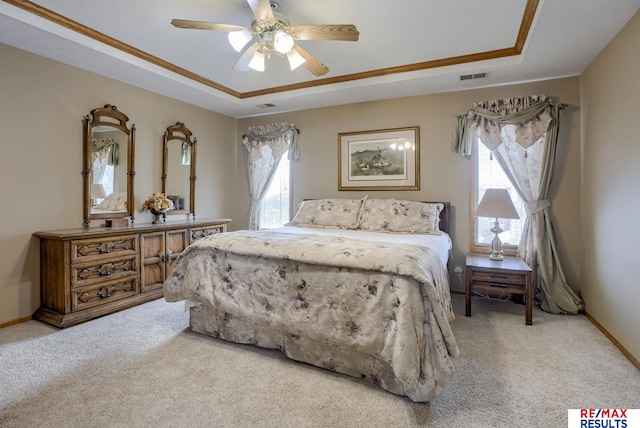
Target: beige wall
42 104
610 187
444 175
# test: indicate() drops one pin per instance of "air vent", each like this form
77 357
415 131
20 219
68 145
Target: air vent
473 76
267 105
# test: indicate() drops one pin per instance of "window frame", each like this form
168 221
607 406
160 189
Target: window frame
508 249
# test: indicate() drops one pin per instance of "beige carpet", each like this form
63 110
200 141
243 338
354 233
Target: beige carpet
143 368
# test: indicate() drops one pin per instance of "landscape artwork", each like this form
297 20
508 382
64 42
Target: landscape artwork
382 159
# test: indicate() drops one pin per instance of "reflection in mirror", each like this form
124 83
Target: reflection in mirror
179 168
108 159
108 170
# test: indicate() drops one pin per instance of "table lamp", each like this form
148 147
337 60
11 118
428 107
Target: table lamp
496 203
97 192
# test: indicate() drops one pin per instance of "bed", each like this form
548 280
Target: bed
356 286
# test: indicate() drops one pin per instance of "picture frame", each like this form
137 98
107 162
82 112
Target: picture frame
382 159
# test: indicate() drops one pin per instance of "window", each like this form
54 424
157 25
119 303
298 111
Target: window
489 174
108 179
275 207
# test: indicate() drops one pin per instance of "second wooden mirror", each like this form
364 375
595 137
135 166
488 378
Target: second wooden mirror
179 169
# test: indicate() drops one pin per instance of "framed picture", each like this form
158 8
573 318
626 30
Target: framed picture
385 159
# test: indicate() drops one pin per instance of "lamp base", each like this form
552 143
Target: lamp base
496 245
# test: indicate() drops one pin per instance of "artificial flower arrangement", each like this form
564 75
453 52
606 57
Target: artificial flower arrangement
157 202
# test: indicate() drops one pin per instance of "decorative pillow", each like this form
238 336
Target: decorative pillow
328 213
114 202
392 215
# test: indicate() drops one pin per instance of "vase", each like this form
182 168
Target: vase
159 215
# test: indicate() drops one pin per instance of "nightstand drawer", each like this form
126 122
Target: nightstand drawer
499 287
499 278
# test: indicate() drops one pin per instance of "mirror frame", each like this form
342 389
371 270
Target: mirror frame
181 133
109 115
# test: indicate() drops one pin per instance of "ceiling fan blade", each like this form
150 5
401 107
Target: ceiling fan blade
311 63
243 63
201 25
262 9
345 32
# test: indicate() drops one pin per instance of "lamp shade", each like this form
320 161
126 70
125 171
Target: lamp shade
295 59
257 61
282 42
97 191
239 39
496 203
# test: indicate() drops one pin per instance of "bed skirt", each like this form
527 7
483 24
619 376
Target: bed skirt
209 321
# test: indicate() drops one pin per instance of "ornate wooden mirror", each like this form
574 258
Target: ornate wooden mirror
179 169
108 165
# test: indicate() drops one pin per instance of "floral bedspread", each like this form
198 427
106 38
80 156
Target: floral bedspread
384 300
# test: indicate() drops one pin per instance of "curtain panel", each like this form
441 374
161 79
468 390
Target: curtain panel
104 151
264 147
522 135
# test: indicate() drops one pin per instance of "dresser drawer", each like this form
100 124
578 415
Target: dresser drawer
97 248
101 270
202 232
102 293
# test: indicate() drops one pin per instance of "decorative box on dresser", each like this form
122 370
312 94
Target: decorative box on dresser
90 272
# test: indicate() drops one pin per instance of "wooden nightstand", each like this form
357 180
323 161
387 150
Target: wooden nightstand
512 275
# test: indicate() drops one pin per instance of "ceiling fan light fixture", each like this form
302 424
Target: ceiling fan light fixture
282 42
295 59
257 62
271 32
239 39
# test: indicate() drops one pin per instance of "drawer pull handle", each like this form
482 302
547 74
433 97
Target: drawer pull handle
108 270
165 257
106 247
107 292
493 284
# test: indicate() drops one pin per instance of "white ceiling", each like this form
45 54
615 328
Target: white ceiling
405 47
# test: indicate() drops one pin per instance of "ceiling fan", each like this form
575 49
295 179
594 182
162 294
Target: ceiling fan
274 33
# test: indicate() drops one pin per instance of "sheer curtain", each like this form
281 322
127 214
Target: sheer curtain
522 134
264 147
104 151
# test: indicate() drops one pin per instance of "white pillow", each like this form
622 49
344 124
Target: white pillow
328 213
392 215
114 202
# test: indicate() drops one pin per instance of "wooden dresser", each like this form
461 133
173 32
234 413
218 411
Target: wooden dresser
87 273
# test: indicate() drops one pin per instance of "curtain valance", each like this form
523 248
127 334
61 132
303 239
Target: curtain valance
108 147
283 135
485 120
